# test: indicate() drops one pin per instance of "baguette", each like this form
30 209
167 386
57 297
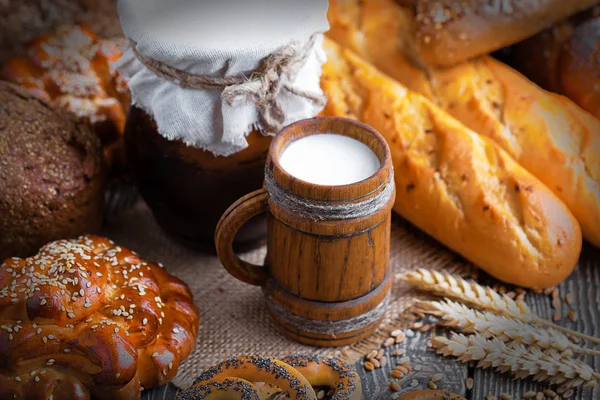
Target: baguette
547 134
448 32
455 185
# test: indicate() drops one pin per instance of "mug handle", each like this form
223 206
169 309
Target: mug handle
230 223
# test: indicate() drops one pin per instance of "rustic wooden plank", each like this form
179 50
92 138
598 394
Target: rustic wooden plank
584 284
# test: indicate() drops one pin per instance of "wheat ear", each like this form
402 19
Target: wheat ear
481 297
521 361
489 325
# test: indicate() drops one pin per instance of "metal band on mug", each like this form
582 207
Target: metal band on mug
321 210
326 327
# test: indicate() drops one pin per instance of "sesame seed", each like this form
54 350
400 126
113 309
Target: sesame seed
67 350
144 321
155 354
18 379
118 375
37 378
42 302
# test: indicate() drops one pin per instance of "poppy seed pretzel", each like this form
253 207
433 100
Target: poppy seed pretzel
256 377
253 368
85 318
323 371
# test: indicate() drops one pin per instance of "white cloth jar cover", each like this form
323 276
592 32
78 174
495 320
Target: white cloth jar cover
219 39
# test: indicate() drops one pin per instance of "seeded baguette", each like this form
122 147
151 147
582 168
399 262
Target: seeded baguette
457 186
448 32
547 134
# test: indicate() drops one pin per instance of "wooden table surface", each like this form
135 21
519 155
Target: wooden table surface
584 283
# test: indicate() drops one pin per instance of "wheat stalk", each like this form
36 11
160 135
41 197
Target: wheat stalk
519 360
481 297
489 325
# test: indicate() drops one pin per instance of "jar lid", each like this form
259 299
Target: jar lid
220 39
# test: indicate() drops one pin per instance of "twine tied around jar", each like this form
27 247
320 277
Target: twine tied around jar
275 73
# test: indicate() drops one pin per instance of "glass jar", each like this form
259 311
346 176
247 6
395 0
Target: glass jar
189 189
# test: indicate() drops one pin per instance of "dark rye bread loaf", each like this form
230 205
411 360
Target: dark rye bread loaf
52 174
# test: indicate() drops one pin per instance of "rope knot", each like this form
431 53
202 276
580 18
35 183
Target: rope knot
274 74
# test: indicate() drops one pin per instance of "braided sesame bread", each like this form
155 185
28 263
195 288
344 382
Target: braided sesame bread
547 134
459 187
86 318
451 31
71 68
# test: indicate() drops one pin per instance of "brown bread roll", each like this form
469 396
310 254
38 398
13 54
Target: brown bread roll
72 68
566 59
457 186
450 31
547 134
51 174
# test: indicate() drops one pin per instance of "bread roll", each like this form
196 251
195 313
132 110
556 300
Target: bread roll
52 176
564 59
23 20
71 68
449 32
457 186
547 134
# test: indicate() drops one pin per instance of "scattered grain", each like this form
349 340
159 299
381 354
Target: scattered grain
556 316
395 386
572 315
432 385
530 395
469 383
549 393
570 299
369 366
389 342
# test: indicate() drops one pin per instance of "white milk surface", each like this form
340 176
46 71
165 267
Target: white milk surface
329 159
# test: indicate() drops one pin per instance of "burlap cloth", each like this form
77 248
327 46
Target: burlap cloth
233 316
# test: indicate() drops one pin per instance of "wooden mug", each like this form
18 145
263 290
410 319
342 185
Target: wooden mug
327 280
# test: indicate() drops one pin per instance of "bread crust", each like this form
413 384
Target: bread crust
457 186
449 32
547 134
564 59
